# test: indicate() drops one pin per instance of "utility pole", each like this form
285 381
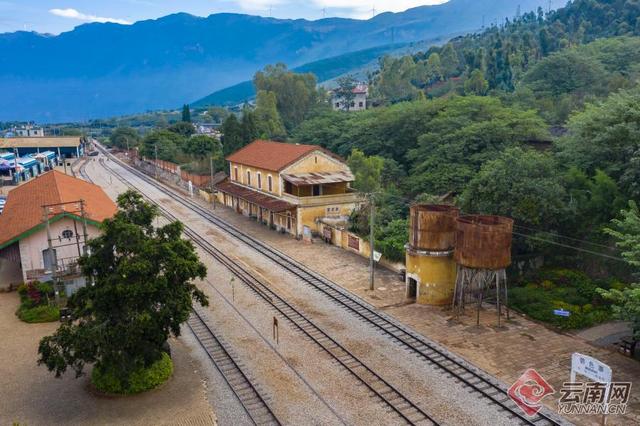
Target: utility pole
372 264
213 197
156 152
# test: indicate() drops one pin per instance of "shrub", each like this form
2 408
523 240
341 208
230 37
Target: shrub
44 313
551 289
140 380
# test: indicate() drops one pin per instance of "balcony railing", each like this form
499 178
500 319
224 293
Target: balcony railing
349 197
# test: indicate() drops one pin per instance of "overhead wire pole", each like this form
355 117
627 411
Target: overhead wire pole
213 197
371 245
156 152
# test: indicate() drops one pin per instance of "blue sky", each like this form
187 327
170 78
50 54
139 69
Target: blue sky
55 16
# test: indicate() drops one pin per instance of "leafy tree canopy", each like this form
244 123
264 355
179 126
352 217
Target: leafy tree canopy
124 138
141 291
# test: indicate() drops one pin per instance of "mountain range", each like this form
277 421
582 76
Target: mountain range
105 69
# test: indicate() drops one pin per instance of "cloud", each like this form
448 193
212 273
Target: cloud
363 8
262 5
74 14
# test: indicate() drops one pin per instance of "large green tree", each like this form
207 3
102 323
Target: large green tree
465 133
521 184
605 136
626 230
295 94
231 135
168 145
140 290
269 123
124 138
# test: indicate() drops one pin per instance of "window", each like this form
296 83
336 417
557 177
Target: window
337 104
249 177
259 181
316 190
360 105
235 172
316 158
270 183
67 233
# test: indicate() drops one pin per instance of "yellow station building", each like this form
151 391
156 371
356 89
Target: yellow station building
290 187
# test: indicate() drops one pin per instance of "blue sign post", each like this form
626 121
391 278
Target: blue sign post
561 313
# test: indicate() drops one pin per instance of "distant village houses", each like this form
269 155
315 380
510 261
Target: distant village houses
359 102
289 187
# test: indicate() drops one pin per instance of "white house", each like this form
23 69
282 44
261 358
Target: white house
359 102
24 240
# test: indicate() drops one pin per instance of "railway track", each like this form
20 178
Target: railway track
381 389
83 172
476 380
252 402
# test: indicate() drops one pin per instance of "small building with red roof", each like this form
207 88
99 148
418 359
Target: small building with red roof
54 211
290 187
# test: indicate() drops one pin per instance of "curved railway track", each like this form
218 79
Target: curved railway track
453 366
83 172
385 392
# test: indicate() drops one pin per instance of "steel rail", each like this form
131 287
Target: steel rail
426 349
382 389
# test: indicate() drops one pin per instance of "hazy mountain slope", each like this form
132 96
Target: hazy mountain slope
106 69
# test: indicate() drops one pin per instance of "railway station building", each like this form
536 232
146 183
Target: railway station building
289 187
45 225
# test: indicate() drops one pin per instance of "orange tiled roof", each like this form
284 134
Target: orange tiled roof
23 210
272 155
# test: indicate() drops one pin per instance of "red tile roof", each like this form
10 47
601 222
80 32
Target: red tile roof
23 210
272 155
263 200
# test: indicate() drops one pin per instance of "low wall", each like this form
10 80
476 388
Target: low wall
351 242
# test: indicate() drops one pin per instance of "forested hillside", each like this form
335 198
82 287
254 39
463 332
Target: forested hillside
538 120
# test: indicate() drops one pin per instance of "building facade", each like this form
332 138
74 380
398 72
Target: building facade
44 228
359 102
289 187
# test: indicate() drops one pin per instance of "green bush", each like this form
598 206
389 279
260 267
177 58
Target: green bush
141 380
539 295
43 313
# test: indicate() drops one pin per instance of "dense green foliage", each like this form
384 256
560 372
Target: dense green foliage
124 138
36 304
627 233
141 292
538 295
140 380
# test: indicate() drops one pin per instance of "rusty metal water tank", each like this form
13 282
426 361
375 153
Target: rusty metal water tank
432 227
483 242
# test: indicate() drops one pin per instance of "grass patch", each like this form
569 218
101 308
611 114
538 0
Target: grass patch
43 313
538 295
141 380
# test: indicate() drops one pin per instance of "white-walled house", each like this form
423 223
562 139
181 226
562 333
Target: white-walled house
359 102
24 241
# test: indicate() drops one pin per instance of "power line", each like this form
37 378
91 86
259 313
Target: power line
594 253
562 236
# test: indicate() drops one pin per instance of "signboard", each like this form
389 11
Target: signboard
589 367
561 312
377 256
354 242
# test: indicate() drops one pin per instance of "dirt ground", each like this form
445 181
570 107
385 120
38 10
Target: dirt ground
30 395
